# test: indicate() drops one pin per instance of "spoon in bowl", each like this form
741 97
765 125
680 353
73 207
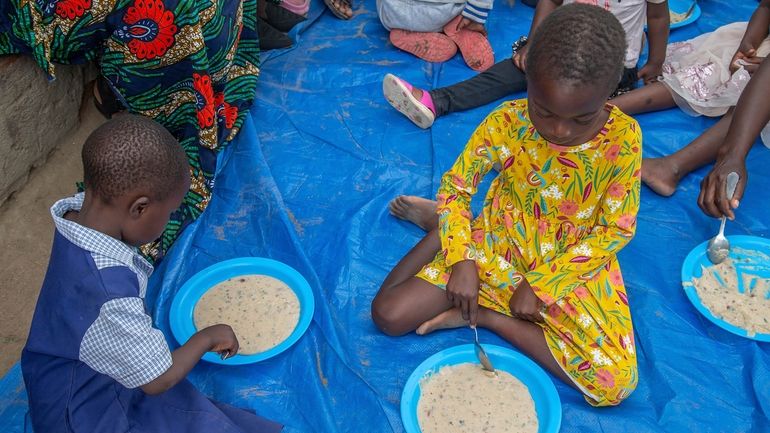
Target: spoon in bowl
719 247
481 354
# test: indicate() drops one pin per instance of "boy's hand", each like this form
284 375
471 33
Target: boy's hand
462 289
222 340
713 198
650 72
471 25
520 58
525 305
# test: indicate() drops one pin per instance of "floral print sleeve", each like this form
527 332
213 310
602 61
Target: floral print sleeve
459 184
614 227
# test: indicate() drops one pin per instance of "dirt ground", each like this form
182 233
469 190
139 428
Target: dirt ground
26 231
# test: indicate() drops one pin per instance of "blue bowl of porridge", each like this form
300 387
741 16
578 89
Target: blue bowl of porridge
542 391
747 268
268 304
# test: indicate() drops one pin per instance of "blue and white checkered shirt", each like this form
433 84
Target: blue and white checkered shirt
121 342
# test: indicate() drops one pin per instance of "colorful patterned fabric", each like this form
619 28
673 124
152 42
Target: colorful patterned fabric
191 65
556 216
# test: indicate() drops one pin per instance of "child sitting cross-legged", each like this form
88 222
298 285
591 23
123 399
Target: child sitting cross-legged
538 266
93 361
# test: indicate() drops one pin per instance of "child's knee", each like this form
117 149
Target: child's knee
386 317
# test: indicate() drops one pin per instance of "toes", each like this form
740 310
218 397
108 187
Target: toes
427 327
397 209
402 201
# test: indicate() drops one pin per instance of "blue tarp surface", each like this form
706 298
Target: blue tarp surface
307 182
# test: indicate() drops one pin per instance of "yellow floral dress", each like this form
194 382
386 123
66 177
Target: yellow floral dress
556 216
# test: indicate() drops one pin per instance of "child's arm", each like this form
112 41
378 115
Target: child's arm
756 32
458 185
543 9
658 21
751 115
122 344
614 227
217 338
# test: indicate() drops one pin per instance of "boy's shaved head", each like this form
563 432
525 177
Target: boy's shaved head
132 153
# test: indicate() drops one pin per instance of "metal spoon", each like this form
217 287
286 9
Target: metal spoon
719 246
481 354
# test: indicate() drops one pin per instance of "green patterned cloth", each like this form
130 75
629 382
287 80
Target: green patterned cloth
191 65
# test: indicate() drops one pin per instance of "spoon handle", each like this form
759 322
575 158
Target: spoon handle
732 182
722 227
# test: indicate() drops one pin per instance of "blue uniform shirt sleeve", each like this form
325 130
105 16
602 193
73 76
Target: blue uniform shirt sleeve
122 344
477 10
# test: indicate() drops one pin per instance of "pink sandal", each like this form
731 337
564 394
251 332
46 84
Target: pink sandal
398 92
474 46
432 47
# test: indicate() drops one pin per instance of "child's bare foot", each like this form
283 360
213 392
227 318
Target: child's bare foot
451 318
416 210
661 175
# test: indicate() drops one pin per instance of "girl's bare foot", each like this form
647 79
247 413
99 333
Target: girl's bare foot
661 175
416 210
451 318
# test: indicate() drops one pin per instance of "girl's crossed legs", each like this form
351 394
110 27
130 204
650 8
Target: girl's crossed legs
604 373
406 303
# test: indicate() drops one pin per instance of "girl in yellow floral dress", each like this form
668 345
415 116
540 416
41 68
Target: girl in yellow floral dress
538 266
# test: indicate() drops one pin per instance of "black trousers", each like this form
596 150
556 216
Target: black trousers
500 80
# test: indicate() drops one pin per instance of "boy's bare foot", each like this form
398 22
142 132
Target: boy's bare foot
451 318
661 175
416 210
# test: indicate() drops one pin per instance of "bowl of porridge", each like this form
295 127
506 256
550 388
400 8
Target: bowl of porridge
450 392
268 304
735 294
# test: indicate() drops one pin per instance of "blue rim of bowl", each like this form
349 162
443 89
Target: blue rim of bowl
692 268
540 386
181 314
694 15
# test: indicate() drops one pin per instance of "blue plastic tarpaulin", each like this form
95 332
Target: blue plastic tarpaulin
307 182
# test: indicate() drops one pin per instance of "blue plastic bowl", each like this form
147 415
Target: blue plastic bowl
680 7
547 402
181 314
697 258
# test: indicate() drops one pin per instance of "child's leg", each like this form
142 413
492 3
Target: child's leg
652 97
404 301
417 210
585 339
500 80
520 333
662 175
